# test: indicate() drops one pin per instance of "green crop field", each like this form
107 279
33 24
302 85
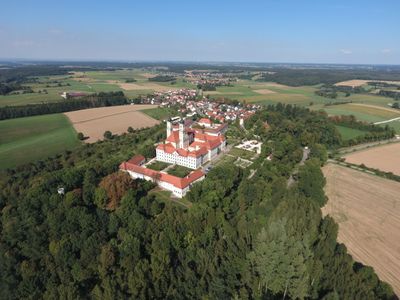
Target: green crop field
24 140
349 133
362 113
160 113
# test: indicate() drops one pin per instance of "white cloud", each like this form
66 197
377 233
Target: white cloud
346 51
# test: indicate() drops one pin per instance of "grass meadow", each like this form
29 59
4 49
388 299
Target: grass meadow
349 133
25 140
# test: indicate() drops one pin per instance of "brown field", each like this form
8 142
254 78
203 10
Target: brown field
264 91
367 209
385 158
269 84
359 82
94 122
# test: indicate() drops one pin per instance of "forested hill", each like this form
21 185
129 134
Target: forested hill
110 238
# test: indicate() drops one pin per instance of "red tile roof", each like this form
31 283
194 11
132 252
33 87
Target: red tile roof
168 148
137 159
174 180
173 137
205 121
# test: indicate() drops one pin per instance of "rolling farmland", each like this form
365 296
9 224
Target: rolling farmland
95 121
24 140
385 158
367 209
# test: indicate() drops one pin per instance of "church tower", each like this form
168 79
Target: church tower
183 137
169 127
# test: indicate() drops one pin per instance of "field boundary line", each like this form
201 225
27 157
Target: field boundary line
111 115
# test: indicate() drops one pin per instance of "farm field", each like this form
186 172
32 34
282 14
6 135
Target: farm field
24 140
367 209
94 122
366 112
349 133
385 158
159 113
359 82
91 82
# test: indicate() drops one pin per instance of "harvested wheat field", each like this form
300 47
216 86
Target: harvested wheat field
360 82
264 91
385 158
367 209
94 122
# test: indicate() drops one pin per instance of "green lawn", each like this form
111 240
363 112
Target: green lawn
242 153
25 140
349 133
179 171
158 165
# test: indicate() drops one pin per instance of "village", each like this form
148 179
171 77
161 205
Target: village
191 103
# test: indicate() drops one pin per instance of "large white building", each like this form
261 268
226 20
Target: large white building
192 144
178 186
188 144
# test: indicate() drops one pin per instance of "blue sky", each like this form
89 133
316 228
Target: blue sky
312 31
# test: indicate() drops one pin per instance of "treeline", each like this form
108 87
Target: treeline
162 78
327 92
373 132
27 73
331 91
207 87
110 237
7 88
90 101
299 77
392 94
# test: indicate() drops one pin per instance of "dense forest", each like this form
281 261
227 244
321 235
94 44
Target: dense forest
109 237
301 76
90 101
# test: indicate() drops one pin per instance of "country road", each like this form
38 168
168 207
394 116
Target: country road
387 121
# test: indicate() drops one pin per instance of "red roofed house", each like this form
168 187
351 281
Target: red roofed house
190 147
205 122
178 186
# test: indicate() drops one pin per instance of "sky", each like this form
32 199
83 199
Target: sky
296 31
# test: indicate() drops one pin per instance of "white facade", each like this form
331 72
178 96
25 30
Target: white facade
174 158
176 191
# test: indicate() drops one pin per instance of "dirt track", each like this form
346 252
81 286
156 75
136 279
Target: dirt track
367 209
385 158
95 121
